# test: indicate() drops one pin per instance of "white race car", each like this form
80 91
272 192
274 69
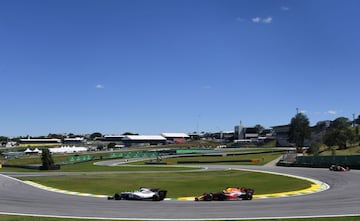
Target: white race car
153 194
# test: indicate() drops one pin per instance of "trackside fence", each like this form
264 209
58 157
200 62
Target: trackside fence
116 155
352 161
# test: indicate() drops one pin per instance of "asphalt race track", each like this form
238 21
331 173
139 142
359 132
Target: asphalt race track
343 198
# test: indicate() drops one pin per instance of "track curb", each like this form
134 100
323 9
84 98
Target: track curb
63 191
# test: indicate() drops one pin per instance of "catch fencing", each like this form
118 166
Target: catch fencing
352 161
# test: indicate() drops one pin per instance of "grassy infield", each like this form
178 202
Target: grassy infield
22 218
177 183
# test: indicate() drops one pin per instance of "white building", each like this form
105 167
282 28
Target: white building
176 137
143 140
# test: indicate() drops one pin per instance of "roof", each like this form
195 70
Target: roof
225 132
74 139
117 136
40 140
144 137
250 130
176 135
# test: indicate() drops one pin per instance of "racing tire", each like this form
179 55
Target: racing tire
162 194
156 197
117 196
248 196
219 197
208 197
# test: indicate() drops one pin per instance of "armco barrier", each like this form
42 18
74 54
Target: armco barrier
219 161
135 154
80 158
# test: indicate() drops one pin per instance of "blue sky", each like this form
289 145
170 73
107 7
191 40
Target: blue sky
153 66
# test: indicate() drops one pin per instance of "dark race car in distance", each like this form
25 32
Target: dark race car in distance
152 194
337 167
231 193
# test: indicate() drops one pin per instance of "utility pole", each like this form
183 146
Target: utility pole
353 123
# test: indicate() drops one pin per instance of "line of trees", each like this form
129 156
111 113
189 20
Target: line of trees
340 133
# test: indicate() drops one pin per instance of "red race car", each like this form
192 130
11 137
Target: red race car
336 167
230 193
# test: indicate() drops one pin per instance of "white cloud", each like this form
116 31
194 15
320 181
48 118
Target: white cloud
332 112
256 20
285 8
267 20
99 86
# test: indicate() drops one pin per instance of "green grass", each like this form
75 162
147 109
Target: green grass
178 184
89 166
355 150
58 158
263 158
23 160
29 218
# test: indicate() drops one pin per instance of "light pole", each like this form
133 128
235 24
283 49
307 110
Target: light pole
353 123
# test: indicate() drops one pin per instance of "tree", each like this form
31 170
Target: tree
55 136
320 126
95 135
357 120
129 133
3 141
339 133
100 147
299 129
340 123
111 145
3 138
259 128
314 148
46 158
